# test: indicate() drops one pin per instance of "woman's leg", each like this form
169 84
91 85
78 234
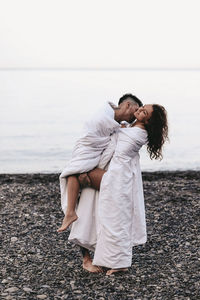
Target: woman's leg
73 188
91 178
95 177
87 262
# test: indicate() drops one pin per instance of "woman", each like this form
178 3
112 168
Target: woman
88 148
121 215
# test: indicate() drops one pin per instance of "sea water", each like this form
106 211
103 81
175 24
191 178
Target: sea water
42 113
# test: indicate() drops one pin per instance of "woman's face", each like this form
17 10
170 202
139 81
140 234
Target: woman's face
144 113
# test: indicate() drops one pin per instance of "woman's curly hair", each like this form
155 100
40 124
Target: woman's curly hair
157 129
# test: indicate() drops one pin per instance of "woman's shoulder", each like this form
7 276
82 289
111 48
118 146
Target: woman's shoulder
135 132
136 128
127 125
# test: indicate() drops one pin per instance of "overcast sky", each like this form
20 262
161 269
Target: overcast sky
99 34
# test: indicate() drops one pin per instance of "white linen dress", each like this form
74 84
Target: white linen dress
113 221
121 210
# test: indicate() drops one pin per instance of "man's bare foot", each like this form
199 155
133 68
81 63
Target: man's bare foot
87 265
109 272
84 180
67 221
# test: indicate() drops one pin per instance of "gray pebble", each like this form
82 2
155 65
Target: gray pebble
28 290
4 281
41 296
12 289
14 239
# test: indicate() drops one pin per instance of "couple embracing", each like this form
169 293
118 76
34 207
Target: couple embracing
104 173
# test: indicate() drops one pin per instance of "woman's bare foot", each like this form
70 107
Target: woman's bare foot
67 221
109 272
87 265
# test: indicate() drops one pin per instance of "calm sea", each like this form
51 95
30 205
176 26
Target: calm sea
42 112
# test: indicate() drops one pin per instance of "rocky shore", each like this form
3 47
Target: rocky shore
38 263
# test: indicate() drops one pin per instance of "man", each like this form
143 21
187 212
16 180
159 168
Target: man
88 149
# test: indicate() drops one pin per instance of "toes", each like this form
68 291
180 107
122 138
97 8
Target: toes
109 272
59 229
97 270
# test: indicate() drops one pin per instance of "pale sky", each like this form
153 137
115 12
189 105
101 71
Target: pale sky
99 34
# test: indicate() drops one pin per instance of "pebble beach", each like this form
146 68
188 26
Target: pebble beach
38 263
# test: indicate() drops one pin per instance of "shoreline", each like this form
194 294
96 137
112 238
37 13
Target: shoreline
25 177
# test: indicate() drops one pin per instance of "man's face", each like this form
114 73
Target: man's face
129 109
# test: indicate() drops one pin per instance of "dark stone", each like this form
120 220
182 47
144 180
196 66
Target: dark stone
38 258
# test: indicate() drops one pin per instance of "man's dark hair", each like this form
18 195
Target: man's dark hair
134 98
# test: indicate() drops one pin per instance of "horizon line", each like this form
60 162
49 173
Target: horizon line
96 69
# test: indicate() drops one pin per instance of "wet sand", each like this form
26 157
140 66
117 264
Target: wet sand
38 263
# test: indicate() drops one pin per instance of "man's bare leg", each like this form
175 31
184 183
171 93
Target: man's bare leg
110 272
72 193
87 262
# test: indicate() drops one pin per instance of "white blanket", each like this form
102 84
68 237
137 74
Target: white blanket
115 222
88 149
